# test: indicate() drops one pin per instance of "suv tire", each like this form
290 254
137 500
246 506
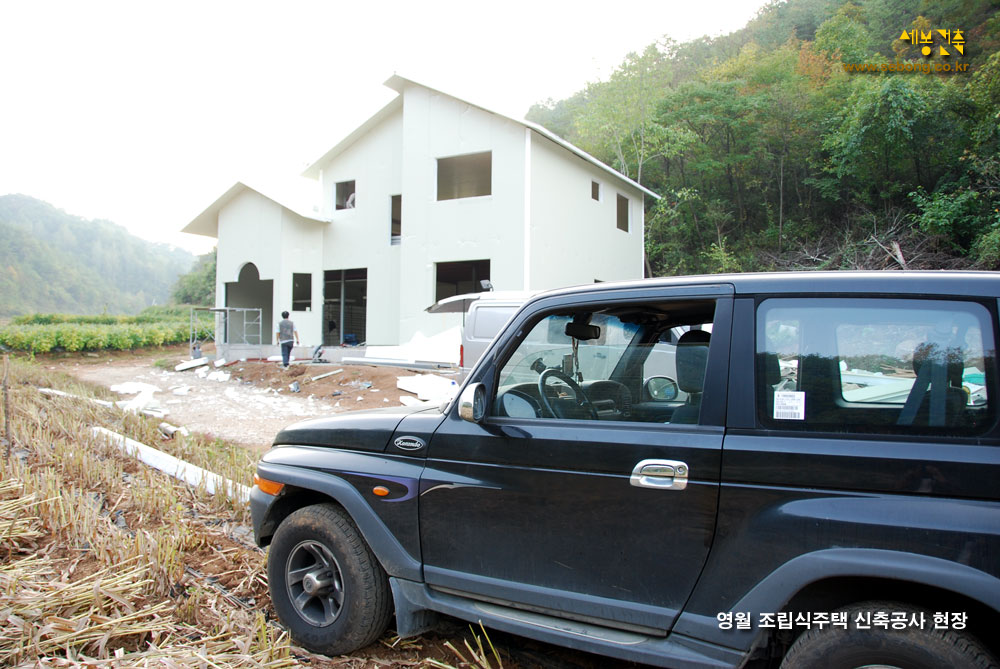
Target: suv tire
327 587
912 648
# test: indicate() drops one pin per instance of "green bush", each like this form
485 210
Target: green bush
40 333
70 337
95 338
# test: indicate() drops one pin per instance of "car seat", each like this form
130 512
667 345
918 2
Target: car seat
692 358
937 398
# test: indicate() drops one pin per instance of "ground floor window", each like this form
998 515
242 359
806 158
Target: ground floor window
301 292
345 306
457 278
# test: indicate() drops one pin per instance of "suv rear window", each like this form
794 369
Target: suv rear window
875 365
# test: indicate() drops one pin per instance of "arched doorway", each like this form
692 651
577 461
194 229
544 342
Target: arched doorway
250 292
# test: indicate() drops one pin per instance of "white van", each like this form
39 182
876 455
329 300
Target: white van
485 314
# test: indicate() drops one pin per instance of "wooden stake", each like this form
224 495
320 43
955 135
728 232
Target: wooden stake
6 406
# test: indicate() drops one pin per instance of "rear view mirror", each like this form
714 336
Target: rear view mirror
580 328
582 331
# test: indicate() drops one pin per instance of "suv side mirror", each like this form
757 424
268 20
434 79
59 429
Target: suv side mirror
472 403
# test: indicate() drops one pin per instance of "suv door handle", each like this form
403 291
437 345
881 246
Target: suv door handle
661 474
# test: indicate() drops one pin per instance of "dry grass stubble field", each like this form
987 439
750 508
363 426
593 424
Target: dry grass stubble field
107 563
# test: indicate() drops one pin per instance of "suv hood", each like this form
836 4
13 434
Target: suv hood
357 430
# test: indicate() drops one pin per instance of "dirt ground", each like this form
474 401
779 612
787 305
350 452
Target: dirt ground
254 404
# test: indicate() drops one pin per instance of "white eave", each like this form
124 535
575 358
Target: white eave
399 84
207 222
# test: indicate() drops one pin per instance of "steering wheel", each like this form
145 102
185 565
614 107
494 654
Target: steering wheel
581 397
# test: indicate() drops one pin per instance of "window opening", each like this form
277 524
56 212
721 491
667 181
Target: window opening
595 191
345 195
345 306
458 278
465 176
396 219
301 292
622 213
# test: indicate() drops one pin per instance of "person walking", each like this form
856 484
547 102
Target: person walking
287 336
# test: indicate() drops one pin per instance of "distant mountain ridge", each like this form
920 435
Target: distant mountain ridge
51 261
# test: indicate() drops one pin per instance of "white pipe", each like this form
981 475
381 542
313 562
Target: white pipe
185 471
123 405
58 393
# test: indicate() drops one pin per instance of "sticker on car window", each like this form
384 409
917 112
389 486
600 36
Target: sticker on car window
789 405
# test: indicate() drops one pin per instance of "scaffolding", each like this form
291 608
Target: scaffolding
234 326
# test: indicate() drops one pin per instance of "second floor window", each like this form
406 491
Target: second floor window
345 195
623 213
396 220
470 175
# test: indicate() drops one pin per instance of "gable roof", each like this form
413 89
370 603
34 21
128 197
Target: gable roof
207 222
395 104
399 84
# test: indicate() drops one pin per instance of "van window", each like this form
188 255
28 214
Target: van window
489 320
875 365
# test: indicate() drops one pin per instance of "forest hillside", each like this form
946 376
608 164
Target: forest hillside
51 261
824 134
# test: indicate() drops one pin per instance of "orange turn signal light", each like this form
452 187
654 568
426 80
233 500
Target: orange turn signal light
270 487
380 490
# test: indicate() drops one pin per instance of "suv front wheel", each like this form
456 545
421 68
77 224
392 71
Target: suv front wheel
326 585
910 648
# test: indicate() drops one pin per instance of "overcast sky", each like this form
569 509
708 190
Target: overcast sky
143 113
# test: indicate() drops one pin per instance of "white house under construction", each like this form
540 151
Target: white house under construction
429 196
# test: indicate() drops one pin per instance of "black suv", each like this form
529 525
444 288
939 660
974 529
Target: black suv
767 469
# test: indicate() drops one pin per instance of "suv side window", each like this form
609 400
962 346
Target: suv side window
631 362
905 366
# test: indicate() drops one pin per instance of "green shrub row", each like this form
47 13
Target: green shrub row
149 316
41 338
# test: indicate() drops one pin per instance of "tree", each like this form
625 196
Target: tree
197 287
847 34
619 116
895 133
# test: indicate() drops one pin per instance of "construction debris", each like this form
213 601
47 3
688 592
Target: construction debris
185 471
131 405
428 387
408 401
143 402
52 392
323 376
190 364
169 430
